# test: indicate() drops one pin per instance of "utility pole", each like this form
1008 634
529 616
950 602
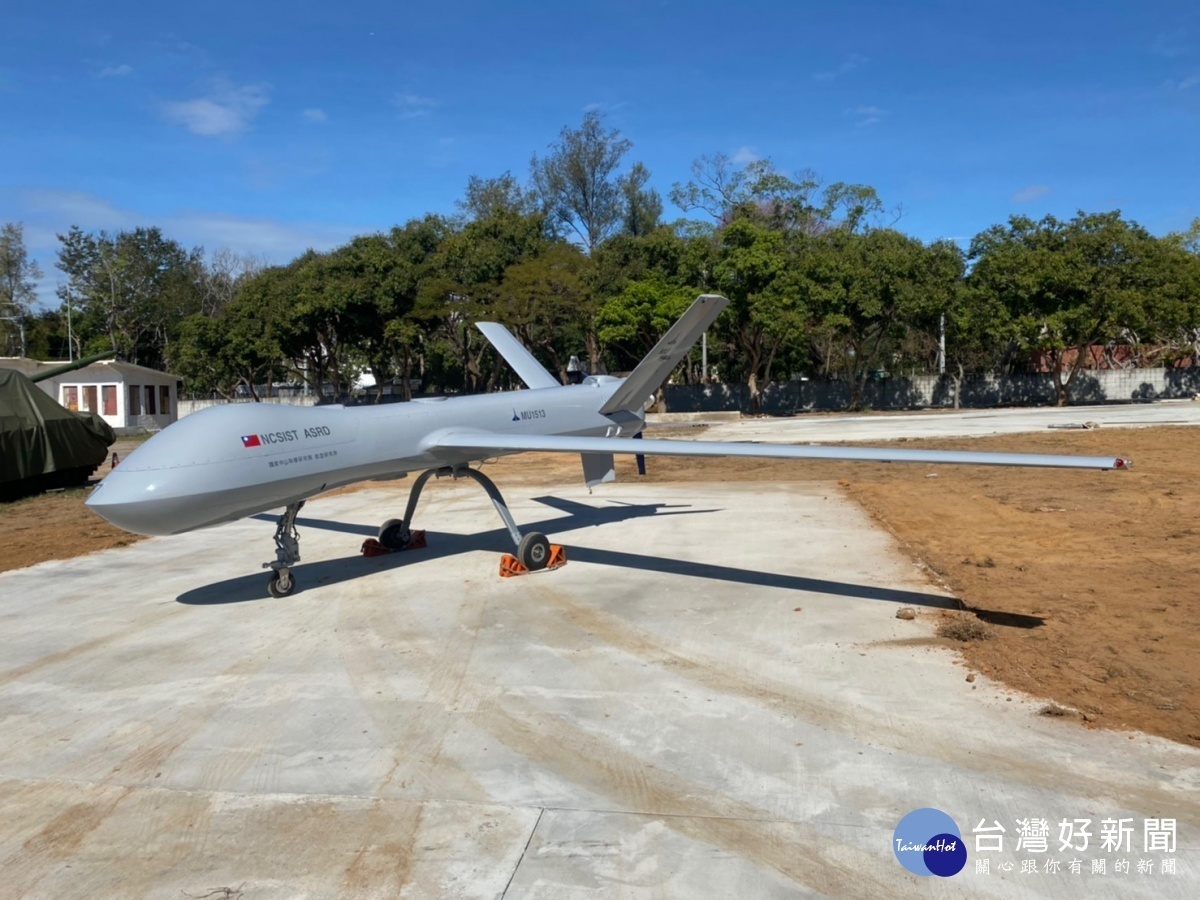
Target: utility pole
20 321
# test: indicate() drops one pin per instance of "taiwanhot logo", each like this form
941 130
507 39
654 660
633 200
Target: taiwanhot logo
928 842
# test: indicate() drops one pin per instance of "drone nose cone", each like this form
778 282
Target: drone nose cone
127 500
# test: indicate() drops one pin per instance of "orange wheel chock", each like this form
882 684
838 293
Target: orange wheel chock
372 547
511 566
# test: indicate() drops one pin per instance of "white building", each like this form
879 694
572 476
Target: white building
128 397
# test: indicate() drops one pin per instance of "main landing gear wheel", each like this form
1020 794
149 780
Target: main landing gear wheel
394 534
534 551
281 584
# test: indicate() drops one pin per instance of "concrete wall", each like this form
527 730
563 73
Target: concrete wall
920 391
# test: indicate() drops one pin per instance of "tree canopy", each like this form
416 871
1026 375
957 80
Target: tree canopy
579 262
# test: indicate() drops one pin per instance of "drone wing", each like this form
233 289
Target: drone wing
509 443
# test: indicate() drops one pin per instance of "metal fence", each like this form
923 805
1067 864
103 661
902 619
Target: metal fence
923 391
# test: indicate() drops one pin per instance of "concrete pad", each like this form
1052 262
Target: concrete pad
941 423
713 698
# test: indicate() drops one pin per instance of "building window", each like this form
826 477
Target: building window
151 410
70 395
108 393
135 400
89 398
164 399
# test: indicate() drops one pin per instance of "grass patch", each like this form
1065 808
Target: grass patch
1054 710
965 630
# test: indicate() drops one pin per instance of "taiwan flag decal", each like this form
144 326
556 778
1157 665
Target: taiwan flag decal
250 440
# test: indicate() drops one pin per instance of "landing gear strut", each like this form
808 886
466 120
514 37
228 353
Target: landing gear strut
287 553
533 549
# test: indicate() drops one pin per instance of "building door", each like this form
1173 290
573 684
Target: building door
135 400
108 394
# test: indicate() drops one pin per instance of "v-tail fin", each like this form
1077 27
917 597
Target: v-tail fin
652 371
524 363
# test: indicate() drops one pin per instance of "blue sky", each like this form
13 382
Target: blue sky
272 127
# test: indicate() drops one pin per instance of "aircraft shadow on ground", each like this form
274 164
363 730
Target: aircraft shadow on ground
441 545
578 515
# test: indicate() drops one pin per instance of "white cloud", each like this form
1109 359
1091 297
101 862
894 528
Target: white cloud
1171 43
1030 193
744 156
47 213
1189 82
605 108
851 62
414 106
227 110
69 208
866 115
315 115
277 240
116 71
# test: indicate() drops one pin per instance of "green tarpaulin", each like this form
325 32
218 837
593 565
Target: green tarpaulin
42 444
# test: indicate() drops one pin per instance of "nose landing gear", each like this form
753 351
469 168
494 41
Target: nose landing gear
287 553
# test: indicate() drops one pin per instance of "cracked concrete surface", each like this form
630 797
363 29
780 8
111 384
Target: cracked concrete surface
712 699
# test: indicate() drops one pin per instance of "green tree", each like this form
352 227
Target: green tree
132 289
222 275
864 292
416 246
462 286
633 321
237 349
1071 286
756 269
18 287
547 303
46 335
1189 240
642 206
487 196
758 189
577 181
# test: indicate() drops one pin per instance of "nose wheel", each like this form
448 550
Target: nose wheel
287 553
281 584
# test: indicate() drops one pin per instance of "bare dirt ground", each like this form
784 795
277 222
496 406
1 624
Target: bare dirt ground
1086 584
